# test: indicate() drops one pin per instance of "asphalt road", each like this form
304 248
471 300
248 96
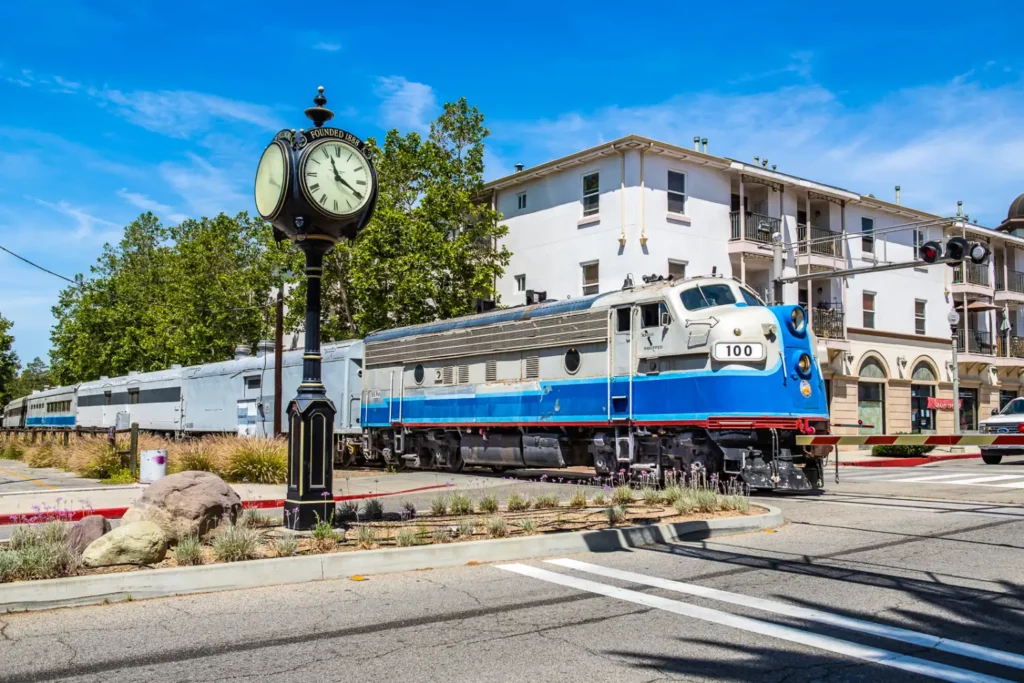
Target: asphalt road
882 582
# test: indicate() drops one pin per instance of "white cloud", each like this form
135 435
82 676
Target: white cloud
87 226
962 139
207 189
327 46
143 202
406 104
182 113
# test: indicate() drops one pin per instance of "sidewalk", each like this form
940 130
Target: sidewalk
863 458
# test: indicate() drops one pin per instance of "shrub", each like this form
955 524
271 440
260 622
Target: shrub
255 518
406 537
578 500
651 496
373 509
346 511
671 494
188 552
286 546
38 552
705 500
193 455
461 504
496 527
10 563
441 536
599 498
685 502
439 505
622 495
616 515
527 526
236 543
734 502
901 451
366 537
545 501
516 502
408 510
258 461
467 528
323 534
12 450
488 504
122 476
47 455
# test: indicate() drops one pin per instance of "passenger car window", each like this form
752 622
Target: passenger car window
707 296
749 297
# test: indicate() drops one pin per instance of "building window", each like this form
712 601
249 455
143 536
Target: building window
919 305
253 382
676 192
590 278
871 397
968 410
867 235
922 416
521 283
676 269
521 201
591 194
869 310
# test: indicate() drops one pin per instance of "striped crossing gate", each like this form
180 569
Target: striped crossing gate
912 440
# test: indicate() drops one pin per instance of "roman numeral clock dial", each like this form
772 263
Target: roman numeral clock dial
336 177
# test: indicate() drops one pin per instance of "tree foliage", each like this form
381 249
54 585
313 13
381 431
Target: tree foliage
431 247
186 294
8 362
35 376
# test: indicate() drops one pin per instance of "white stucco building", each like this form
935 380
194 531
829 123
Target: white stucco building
635 206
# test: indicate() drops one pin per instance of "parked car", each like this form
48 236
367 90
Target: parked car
1009 420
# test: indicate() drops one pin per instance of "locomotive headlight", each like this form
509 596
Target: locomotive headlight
804 364
799 319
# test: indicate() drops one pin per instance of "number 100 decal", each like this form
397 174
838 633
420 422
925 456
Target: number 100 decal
738 351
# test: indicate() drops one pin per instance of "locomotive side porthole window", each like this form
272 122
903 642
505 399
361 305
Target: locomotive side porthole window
417 374
572 361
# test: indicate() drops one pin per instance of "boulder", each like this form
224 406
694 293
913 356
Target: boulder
133 543
187 504
87 530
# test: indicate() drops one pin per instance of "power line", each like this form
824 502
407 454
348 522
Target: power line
36 265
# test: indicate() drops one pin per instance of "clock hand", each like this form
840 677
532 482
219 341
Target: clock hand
354 190
337 176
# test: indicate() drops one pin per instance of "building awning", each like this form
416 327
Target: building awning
981 306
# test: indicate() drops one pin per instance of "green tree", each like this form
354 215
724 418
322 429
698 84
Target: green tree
186 294
8 362
431 247
35 376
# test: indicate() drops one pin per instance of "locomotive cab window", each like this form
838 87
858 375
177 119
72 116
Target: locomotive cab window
622 317
707 296
652 315
572 361
750 297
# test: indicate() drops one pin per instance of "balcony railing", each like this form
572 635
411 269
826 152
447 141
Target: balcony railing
976 274
827 323
759 228
977 341
1014 281
823 242
1011 348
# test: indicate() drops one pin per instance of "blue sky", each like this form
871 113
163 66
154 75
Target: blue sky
108 109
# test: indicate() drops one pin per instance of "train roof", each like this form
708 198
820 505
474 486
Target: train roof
235 366
52 391
133 378
547 308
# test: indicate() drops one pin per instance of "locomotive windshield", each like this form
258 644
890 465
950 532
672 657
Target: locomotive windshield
707 296
750 297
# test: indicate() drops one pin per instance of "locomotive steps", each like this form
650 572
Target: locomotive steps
99 588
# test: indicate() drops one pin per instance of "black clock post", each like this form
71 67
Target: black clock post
288 194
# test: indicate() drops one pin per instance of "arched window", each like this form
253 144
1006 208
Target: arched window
871 397
872 369
923 373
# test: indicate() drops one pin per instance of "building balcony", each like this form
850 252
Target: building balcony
975 342
1011 287
759 228
970 278
822 242
828 323
1010 347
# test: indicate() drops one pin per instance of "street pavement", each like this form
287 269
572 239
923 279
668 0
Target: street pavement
859 585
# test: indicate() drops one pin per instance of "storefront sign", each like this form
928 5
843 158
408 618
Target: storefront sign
942 403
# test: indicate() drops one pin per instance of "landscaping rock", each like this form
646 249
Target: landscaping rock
134 543
87 530
187 504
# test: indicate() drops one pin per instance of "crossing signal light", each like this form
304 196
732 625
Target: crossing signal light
978 252
956 249
930 252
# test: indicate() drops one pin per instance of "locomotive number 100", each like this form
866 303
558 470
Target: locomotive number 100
738 351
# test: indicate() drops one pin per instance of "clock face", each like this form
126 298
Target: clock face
336 177
271 181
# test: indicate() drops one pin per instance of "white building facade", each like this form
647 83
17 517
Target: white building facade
635 206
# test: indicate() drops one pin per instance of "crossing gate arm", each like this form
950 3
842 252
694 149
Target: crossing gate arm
913 440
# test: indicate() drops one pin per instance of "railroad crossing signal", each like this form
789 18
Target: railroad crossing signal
957 250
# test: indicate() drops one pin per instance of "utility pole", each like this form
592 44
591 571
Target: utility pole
278 356
954 319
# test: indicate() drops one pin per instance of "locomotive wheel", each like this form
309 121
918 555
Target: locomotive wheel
455 463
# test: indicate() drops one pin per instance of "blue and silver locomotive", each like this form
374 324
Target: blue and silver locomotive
684 375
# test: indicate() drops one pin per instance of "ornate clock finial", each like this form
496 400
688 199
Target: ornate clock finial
319 115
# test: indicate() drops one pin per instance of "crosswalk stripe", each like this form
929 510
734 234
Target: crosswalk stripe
982 480
843 647
938 477
891 632
1014 485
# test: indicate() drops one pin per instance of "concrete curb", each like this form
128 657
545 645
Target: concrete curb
909 462
87 590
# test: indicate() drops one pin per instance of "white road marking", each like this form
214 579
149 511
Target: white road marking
1015 485
983 480
891 632
936 478
843 647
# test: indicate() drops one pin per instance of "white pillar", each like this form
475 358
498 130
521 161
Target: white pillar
743 212
743 267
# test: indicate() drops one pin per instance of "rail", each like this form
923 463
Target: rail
822 242
976 274
977 341
758 228
42 433
1012 348
1013 282
827 323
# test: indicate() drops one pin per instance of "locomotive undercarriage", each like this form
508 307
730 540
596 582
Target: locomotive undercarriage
760 458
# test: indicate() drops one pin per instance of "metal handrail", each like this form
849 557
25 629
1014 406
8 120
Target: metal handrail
976 274
979 341
823 241
758 228
827 323
1013 282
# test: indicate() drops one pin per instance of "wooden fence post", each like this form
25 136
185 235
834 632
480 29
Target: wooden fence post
133 454
67 438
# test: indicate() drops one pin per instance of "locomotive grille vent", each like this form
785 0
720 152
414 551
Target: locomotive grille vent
463 374
532 367
448 374
547 332
491 371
